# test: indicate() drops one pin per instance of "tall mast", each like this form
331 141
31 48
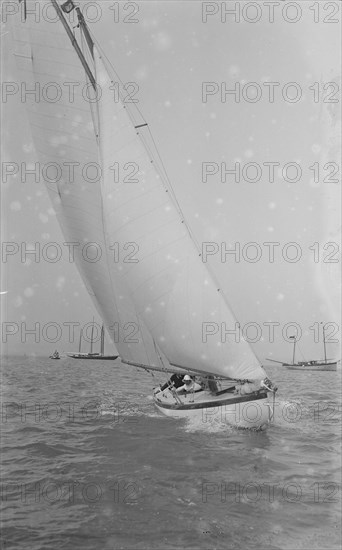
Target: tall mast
102 340
92 337
324 345
80 341
74 41
294 350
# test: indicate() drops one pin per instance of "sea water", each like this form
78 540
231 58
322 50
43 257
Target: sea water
88 463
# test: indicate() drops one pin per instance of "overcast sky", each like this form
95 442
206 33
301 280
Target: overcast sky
170 52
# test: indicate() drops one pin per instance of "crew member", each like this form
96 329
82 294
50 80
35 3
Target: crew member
189 385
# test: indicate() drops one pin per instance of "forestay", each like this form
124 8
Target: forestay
170 286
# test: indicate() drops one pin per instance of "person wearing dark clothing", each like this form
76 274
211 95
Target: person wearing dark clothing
175 381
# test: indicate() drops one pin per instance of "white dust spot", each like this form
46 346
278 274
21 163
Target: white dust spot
15 206
280 297
249 153
28 147
313 183
271 205
43 218
28 292
219 201
316 148
141 73
18 301
60 282
162 41
234 70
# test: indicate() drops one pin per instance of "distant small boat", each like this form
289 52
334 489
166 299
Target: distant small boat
55 355
314 364
91 355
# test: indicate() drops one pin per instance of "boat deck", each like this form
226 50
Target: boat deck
203 399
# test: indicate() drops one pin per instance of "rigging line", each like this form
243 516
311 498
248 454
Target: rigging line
96 124
169 186
196 244
132 105
158 353
180 212
302 354
106 236
74 42
93 108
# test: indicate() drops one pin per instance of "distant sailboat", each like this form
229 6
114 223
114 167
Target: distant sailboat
55 355
314 364
92 355
159 300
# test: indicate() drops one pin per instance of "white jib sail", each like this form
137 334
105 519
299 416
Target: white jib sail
169 284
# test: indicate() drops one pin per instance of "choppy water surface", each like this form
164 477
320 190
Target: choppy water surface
89 463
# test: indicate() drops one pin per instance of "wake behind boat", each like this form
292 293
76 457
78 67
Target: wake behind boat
159 293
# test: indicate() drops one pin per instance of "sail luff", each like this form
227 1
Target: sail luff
159 283
168 184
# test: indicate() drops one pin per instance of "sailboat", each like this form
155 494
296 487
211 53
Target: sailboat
159 293
91 355
314 364
55 355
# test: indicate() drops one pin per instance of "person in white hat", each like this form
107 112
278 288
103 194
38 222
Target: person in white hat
189 385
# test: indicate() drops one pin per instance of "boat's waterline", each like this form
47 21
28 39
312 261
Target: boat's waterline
252 411
318 366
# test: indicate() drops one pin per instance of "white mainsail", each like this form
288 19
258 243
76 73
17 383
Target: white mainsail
168 293
64 137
